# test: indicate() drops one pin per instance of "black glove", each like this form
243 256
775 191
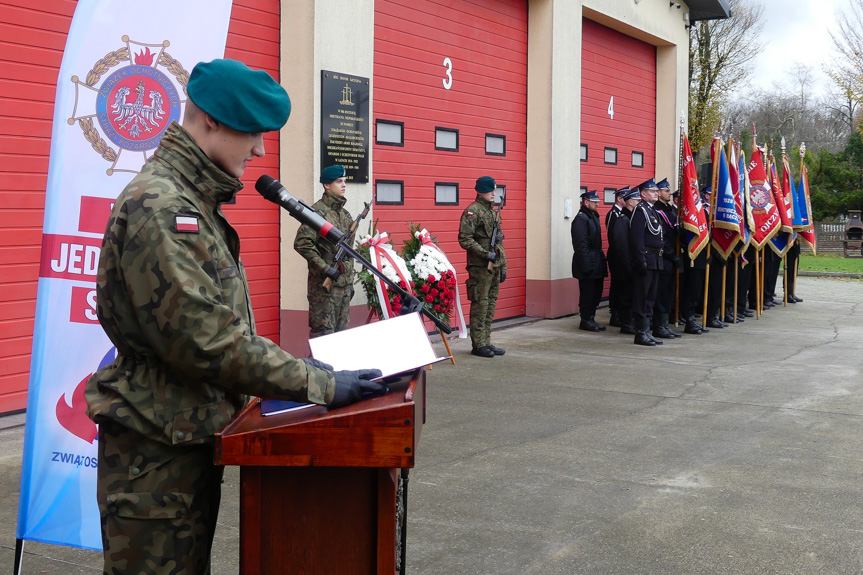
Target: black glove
499 236
502 276
640 268
492 255
316 363
352 291
352 385
333 273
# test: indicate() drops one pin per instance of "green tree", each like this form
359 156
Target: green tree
836 179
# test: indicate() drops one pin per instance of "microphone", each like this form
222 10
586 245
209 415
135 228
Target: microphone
275 192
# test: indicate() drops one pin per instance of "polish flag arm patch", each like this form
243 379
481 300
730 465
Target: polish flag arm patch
187 224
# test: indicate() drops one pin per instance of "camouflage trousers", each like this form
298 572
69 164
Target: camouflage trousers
329 311
482 289
158 504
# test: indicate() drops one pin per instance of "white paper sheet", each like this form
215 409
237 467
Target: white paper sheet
393 346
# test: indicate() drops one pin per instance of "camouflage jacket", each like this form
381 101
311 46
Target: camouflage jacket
320 252
474 234
173 298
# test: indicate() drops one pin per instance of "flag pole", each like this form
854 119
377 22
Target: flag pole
713 179
677 221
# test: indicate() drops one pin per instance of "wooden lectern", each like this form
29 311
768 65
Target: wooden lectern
319 488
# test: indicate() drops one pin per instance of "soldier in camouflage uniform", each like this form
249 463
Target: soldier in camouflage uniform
329 310
474 235
173 298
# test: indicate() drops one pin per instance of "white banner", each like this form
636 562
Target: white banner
121 84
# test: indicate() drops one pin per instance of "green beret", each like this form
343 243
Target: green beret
485 184
241 98
331 173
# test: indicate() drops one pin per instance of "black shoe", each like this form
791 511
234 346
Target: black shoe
746 313
628 329
768 304
588 324
730 319
615 320
641 338
716 323
497 350
662 333
790 299
484 351
797 299
692 328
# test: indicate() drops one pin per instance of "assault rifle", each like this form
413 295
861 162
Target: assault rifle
341 255
495 231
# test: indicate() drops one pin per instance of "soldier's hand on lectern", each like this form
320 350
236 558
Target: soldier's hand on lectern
352 385
316 363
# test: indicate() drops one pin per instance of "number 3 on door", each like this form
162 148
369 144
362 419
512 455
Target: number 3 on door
447 82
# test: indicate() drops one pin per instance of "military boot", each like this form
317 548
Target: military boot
642 325
626 325
647 330
587 322
665 326
660 327
615 319
692 327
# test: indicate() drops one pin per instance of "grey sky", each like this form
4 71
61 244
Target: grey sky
797 31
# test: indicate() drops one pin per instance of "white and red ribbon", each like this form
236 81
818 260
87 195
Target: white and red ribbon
381 250
425 238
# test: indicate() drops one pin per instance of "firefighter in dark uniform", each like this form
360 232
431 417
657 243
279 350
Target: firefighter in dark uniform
665 292
645 252
614 286
619 262
790 274
588 261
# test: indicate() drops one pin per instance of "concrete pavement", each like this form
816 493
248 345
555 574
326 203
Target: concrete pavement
734 452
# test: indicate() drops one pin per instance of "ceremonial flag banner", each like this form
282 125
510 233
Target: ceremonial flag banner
804 206
691 209
765 215
747 224
784 238
121 83
726 220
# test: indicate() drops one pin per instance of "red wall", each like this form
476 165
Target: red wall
32 39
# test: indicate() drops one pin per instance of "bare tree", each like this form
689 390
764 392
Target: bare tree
721 52
847 69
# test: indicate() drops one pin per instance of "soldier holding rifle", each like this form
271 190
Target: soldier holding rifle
480 234
330 283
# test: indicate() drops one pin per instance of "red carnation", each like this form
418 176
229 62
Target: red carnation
425 288
429 299
437 308
434 291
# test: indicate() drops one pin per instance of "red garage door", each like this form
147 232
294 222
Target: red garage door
618 111
451 78
32 39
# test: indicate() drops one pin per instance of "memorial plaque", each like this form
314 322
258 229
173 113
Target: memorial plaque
345 124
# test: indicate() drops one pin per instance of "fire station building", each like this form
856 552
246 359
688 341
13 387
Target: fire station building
549 97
